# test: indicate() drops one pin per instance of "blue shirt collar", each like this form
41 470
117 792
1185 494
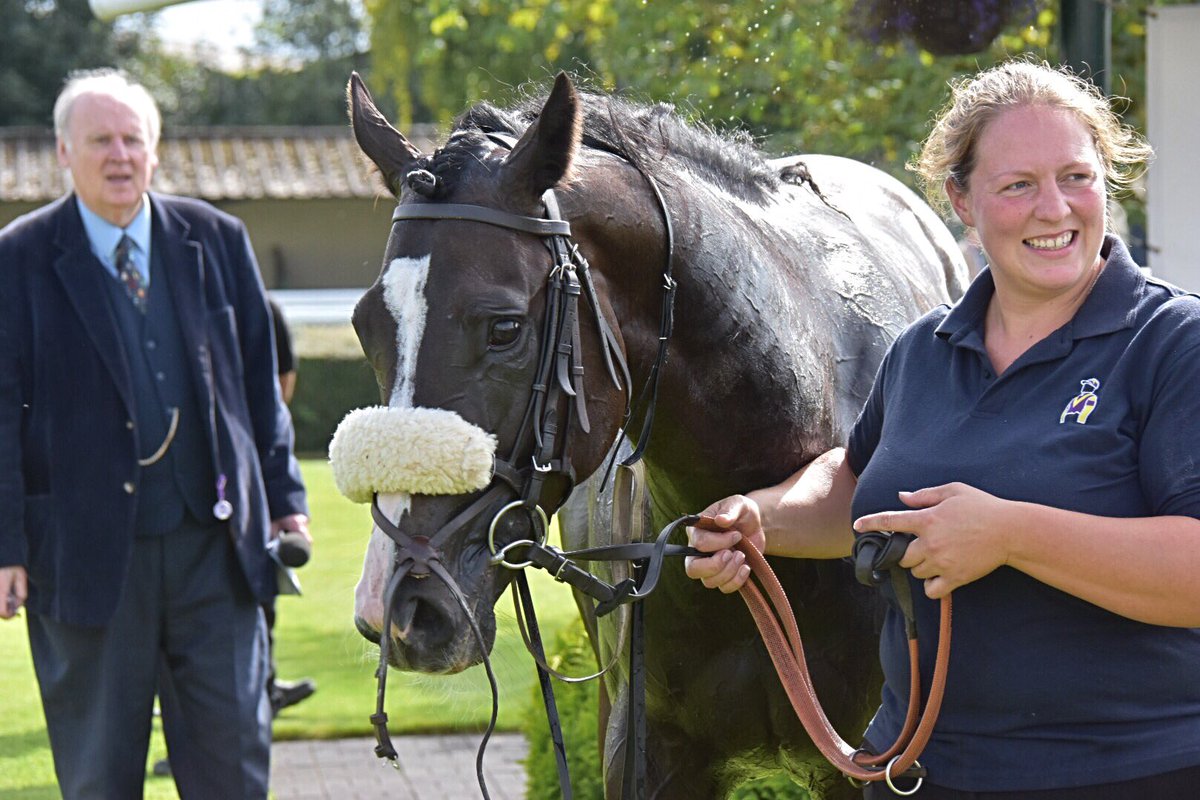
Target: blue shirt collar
104 236
1109 307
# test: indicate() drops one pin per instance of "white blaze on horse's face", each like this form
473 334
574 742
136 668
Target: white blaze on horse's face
404 296
368 594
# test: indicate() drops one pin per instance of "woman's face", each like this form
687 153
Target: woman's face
1036 198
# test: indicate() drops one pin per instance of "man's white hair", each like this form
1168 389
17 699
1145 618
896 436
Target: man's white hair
113 83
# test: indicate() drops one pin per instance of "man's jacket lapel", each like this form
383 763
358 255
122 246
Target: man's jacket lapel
82 278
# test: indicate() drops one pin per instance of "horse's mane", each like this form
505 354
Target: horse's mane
653 137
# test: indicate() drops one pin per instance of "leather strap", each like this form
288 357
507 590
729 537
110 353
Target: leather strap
489 216
533 641
777 625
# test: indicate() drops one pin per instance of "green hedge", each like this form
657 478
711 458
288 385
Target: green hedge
571 654
326 389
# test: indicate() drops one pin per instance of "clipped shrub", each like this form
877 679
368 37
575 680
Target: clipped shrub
326 390
571 654
778 786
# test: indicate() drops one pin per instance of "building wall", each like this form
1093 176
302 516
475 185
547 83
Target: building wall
10 211
1172 119
304 244
316 244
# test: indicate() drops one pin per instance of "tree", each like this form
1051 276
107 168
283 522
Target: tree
44 40
294 74
784 69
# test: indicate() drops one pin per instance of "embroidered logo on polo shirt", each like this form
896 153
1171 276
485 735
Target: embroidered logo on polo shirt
1083 404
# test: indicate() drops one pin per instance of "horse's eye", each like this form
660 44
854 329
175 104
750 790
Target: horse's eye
504 334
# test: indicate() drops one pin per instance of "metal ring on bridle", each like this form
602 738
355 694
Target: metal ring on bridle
887 778
500 559
540 535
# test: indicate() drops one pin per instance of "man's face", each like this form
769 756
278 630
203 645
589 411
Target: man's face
107 150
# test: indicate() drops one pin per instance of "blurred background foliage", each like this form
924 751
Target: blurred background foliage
806 76
854 77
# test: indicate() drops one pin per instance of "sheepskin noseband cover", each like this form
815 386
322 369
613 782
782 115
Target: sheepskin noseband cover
414 450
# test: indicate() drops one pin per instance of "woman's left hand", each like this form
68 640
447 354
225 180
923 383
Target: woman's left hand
960 534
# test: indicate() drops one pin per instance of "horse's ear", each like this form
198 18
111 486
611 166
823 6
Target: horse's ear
382 143
543 155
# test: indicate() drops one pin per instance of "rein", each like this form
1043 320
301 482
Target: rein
559 374
876 560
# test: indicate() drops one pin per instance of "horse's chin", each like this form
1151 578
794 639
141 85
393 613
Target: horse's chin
408 660
366 631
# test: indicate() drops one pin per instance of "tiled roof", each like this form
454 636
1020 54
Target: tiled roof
214 163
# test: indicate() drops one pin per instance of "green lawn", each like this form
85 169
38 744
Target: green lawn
315 638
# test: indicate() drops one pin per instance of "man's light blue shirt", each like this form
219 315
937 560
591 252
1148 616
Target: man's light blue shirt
104 237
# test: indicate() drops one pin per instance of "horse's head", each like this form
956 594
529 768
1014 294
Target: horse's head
488 408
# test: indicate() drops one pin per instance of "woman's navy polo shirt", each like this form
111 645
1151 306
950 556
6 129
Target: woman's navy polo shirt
1103 416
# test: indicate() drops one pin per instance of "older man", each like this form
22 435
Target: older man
145 461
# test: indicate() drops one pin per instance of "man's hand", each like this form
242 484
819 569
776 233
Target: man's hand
297 523
14 589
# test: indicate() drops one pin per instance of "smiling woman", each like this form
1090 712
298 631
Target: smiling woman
1032 439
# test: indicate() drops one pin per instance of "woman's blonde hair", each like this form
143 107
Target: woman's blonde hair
949 153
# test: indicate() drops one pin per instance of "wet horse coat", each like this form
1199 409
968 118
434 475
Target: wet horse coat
792 277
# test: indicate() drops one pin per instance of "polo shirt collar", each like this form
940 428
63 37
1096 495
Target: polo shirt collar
1109 307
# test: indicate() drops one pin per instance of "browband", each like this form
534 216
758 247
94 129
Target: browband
490 216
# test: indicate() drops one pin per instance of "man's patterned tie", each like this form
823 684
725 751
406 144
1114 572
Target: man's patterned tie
129 274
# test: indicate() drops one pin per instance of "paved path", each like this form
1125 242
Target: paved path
431 768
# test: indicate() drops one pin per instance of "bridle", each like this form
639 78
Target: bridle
559 375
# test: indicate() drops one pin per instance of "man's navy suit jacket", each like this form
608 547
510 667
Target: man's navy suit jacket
68 442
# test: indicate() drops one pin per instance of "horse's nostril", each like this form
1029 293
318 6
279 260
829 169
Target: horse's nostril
416 617
406 611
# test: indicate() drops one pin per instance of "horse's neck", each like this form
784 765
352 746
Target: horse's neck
754 381
753 366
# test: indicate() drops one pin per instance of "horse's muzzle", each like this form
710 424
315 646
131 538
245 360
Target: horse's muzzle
430 632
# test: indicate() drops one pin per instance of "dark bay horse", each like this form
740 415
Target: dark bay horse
791 276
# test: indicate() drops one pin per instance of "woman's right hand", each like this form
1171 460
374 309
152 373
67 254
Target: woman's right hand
724 524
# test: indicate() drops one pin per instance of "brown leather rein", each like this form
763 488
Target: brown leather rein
777 624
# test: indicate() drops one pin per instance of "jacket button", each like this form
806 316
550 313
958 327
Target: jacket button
128 487
128 424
